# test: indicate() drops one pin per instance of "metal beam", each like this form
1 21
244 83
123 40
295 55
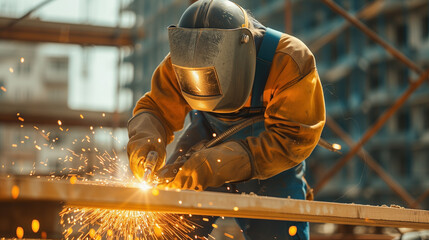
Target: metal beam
41 31
211 203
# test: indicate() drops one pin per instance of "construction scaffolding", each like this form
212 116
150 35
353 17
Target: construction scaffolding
357 147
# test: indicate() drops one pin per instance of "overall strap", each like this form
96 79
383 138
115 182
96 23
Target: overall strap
263 64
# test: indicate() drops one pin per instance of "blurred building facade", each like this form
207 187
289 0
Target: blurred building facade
31 79
51 82
360 80
51 116
154 17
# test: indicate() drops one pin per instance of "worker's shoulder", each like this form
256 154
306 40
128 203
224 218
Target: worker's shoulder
298 51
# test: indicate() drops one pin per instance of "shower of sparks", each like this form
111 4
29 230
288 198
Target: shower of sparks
84 162
123 224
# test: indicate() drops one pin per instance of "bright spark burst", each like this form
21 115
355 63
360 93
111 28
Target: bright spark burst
123 224
107 169
96 223
145 186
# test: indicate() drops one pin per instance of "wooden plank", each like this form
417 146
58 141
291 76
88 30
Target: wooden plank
211 203
41 31
38 115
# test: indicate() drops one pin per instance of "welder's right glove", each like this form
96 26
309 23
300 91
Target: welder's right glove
212 167
146 133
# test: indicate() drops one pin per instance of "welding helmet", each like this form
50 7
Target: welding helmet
213 55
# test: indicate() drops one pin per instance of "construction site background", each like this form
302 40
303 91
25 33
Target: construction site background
92 88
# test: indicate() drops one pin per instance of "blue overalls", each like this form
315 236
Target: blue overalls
286 184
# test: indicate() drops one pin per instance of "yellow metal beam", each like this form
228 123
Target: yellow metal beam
211 203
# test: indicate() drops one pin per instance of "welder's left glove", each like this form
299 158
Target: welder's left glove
212 167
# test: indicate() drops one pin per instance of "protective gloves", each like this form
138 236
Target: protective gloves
146 133
212 167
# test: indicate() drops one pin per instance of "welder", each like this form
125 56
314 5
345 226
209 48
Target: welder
225 67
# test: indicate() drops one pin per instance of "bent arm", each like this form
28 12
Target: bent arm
294 120
165 100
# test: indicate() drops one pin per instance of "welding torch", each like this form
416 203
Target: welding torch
149 166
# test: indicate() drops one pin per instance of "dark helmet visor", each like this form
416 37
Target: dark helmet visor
202 82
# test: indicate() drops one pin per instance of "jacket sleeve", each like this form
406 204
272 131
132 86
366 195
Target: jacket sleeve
294 117
165 99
